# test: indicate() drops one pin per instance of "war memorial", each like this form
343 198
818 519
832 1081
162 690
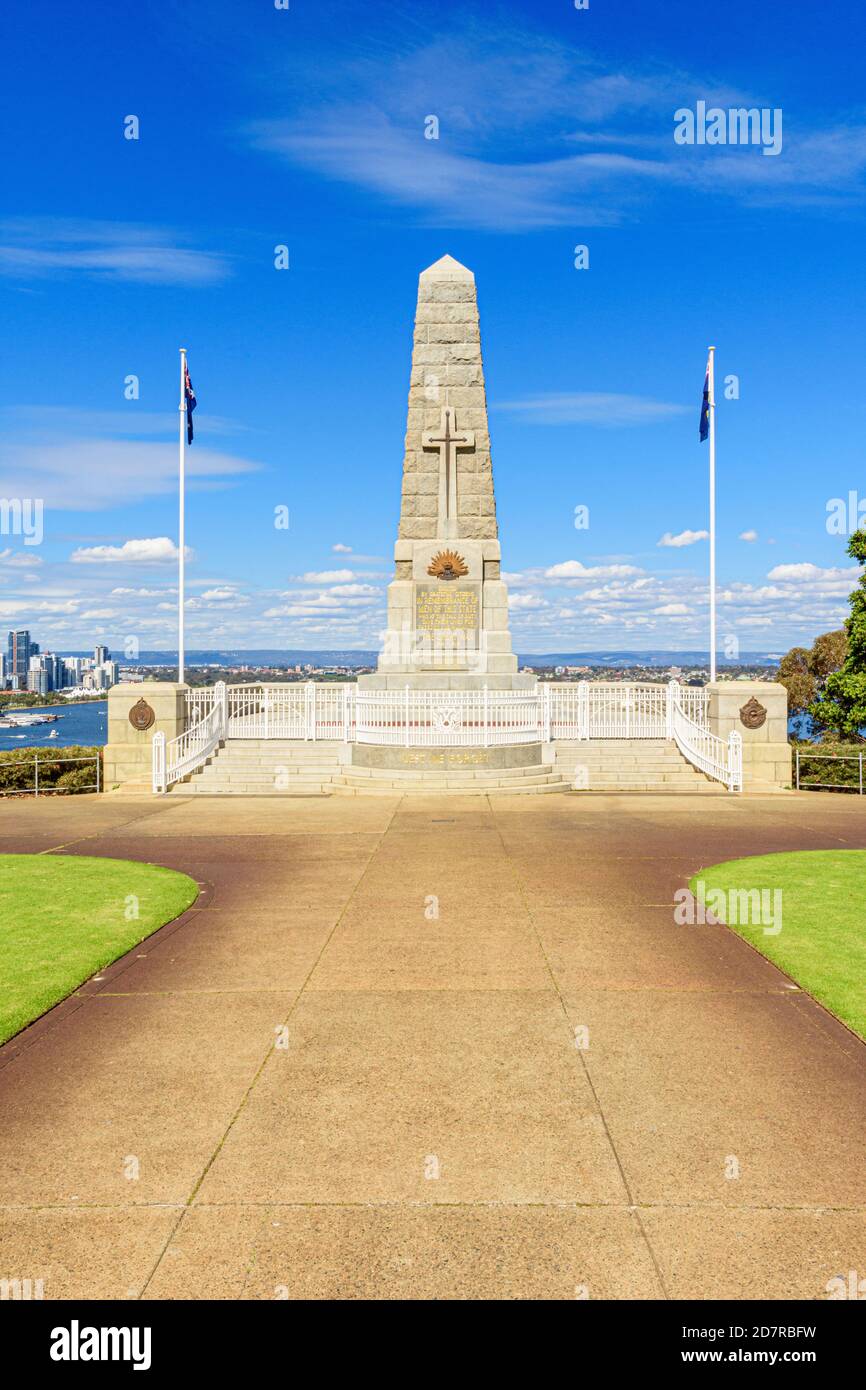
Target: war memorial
447 708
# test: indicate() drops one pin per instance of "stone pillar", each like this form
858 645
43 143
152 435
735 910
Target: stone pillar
758 710
447 604
127 756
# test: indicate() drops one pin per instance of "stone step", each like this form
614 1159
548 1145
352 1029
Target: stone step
425 789
420 774
194 788
652 788
450 780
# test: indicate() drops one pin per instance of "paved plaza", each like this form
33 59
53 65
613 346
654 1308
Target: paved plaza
352 1070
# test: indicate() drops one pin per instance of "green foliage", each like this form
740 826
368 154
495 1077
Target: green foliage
841 705
830 768
57 772
797 679
804 673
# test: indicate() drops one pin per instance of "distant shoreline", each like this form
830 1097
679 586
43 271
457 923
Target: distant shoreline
37 709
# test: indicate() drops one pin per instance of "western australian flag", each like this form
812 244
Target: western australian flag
189 401
705 408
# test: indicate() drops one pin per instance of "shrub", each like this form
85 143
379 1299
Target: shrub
57 770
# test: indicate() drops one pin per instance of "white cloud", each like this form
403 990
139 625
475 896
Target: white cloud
342 549
748 535
810 572
33 248
158 550
18 559
139 593
524 601
684 538
89 473
592 408
671 610
539 134
574 570
328 576
354 590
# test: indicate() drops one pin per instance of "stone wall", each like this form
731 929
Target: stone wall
766 751
127 759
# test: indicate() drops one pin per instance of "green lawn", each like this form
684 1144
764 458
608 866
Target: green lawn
822 944
64 917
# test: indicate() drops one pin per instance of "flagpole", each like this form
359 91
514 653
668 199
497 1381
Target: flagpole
181 563
712 414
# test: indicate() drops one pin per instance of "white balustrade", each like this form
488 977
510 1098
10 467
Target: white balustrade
416 718
176 758
721 759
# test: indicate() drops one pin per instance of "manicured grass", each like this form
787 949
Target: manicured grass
822 944
64 917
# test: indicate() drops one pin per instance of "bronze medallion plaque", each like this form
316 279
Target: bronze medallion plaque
141 716
752 714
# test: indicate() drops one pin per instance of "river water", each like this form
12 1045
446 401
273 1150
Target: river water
86 725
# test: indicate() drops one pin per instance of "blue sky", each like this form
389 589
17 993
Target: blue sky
305 127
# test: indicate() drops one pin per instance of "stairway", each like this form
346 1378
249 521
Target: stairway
506 781
631 765
289 767
265 767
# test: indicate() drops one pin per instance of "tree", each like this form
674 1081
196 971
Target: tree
828 654
842 702
797 679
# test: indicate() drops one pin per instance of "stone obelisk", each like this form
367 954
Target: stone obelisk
447 605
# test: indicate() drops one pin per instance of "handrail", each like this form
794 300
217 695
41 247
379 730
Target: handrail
721 759
178 757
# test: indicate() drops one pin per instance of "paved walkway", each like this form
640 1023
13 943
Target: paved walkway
331 1093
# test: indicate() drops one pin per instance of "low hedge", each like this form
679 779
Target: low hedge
57 770
818 764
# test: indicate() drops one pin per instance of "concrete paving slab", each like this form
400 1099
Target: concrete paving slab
154 1079
84 1253
398 1252
753 1254
378 1090
687 1083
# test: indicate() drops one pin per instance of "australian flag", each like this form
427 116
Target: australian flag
189 400
705 409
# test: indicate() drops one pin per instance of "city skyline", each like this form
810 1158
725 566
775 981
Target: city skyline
550 135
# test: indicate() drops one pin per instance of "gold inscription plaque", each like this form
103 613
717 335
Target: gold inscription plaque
446 610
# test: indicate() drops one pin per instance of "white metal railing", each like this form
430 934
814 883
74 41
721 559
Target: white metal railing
609 709
446 718
177 758
719 758
449 718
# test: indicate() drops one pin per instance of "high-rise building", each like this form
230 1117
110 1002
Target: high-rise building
18 650
100 656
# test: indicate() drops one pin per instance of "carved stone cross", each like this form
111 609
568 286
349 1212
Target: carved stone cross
447 440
